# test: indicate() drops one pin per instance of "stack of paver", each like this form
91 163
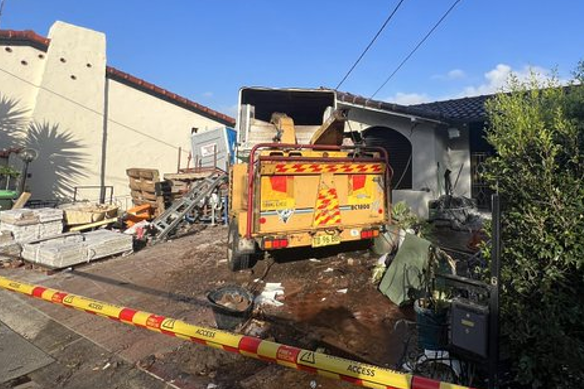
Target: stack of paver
72 249
27 225
8 246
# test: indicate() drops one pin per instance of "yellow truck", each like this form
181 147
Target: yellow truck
295 184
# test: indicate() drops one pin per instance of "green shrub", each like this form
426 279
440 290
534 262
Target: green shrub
537 131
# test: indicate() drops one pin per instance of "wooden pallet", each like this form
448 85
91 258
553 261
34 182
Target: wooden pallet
147 188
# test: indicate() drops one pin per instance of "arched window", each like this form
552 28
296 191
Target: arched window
399 149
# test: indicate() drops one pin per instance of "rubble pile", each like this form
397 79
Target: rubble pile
456 212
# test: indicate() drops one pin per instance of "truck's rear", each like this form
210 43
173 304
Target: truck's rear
286 195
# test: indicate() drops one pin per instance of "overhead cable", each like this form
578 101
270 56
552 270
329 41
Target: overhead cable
416 48
371 43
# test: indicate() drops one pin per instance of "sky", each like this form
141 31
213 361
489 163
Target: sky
207 50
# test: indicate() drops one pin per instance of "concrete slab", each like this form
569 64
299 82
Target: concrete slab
17 356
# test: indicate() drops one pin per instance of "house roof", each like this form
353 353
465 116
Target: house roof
390 107
40 42
467 109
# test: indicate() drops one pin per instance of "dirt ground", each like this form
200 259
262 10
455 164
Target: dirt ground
329 304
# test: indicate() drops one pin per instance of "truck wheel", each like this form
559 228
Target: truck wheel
235 260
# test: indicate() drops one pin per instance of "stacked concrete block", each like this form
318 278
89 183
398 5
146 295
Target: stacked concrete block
47 249
105 243
69 250
9 249
30 224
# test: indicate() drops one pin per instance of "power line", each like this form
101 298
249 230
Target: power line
1 7
370 43
416 48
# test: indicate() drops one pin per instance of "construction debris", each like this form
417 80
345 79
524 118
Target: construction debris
232 301
31 224
82 213
75 248
21 201
270 294
257 328
9 249
379 269
138 214
459 213
89 226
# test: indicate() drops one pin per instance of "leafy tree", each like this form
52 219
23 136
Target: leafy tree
537 130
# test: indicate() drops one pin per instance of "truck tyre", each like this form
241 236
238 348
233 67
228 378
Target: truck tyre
235 260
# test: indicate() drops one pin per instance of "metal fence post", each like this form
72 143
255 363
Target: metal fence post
494 293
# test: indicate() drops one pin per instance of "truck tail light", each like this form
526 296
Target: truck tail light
369 234
275 243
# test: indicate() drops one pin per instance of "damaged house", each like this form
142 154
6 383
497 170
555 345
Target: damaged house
431 147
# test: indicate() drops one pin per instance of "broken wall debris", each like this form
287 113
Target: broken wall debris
459 213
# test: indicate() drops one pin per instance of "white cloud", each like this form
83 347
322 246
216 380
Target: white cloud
408 98
454 74
208 94
495 80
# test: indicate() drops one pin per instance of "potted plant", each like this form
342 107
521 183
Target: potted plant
432 304
8 173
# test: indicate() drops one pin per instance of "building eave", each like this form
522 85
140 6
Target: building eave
390 108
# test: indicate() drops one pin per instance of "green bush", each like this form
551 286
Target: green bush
537 131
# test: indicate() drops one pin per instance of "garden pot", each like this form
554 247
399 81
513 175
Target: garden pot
432 326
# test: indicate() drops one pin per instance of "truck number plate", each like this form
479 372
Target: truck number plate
325 240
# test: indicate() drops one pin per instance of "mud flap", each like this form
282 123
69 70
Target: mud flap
246 246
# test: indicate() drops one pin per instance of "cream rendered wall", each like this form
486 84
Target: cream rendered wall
157 129
21 70
68 113
75 117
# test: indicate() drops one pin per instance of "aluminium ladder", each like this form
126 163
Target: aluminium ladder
174 216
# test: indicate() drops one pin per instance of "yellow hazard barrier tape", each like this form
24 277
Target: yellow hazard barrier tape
326 365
